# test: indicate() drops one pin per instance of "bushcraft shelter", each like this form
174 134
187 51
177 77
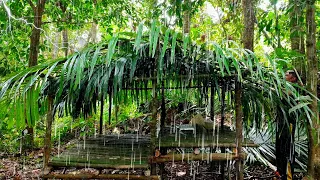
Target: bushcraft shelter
145 67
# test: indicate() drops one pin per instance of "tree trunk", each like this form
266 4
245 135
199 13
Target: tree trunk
248 20
311 82
65 42
35 36
186 17
93 33
55 49
239 136
297 37
247 38
47 140
34 49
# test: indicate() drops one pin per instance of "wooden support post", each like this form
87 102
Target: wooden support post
212 104
153 125
223 164
163 150
47 140
163 107
101 114
212 117
239 136
223 95
110 105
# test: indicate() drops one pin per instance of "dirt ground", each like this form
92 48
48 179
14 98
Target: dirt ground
29 167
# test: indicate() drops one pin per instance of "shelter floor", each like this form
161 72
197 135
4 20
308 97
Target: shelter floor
132 151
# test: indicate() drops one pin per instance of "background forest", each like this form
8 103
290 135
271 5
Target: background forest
283 34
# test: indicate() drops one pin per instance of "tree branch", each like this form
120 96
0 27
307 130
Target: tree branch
32 5
49 22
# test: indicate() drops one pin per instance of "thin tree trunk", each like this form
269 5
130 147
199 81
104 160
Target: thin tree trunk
248 20
56 45
93 33
34 49
296 34
239 136
186 17
35 35
65 42
247 38
47 140
311 82
297 37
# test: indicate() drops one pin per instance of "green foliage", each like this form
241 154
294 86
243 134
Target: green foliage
100 69
121 66
265 153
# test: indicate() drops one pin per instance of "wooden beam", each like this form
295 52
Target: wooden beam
195 144
100 176
196 157
98 166
166 88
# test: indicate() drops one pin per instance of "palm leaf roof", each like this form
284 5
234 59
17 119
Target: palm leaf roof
131 62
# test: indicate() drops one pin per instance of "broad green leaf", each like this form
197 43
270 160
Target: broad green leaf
133 67
111 48
138 39
155 41
298 106
94 59
173 47
151 36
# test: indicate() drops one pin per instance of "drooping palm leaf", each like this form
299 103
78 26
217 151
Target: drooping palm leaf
130 63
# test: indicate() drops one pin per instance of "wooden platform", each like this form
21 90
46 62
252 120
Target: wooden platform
129 151
207 139
126 151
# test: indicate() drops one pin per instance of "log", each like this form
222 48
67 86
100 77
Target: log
98 166
195 144
194 157
100 176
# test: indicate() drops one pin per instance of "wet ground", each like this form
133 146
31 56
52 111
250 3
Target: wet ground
29 167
